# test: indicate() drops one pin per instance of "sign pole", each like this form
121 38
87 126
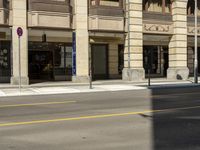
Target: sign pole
19 33
19 58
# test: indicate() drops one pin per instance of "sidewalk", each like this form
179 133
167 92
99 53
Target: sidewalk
47 88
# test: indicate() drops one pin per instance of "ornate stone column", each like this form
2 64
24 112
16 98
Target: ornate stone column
178 44
82 41
133 53
20 20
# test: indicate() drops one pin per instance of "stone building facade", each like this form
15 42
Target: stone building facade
125 39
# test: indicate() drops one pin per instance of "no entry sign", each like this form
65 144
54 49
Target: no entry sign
19 31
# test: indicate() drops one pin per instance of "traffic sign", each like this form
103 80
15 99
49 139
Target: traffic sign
19 31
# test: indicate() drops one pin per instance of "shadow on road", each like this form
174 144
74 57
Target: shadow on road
176 129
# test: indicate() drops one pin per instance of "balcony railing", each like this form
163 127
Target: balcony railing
49 13
106 18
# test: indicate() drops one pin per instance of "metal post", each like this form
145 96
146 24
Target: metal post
196 47
19 59
149 78
90 66
149 67
128 22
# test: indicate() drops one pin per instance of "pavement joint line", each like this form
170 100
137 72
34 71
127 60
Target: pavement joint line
93 117
36 104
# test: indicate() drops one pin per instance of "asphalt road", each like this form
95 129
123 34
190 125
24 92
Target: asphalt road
156 119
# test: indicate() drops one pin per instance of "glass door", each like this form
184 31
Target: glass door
62 62
156 59
40 65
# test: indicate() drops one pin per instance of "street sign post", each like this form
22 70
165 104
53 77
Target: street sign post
19 33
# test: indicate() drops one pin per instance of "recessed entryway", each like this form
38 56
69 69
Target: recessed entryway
100 61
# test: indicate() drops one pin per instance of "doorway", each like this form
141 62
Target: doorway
41 65
100 61
156 59
191 59
50 62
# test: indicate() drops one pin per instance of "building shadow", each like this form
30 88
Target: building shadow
178 126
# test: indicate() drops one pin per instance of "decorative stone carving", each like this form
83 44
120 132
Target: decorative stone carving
157 28
191 30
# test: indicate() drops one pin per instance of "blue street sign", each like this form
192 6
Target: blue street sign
74 53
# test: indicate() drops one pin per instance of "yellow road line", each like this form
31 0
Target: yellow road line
93 117
36 104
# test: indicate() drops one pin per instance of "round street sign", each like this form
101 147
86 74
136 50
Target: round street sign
19 31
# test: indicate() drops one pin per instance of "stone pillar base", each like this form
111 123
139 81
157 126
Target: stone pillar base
133 74
15 80
80 79
181 73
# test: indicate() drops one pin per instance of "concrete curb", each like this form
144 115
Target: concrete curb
156 89
70 84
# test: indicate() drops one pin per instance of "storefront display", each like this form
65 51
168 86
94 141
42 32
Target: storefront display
50 61
5 67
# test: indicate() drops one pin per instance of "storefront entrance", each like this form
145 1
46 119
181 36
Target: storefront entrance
41 65
50 62
100 61
156 59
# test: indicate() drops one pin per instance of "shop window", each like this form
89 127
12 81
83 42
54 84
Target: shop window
50 61
63 60
5 66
